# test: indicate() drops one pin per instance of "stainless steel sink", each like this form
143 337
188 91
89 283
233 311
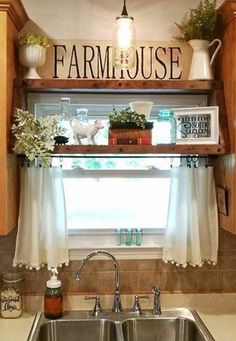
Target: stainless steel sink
180 329
78 331
171 325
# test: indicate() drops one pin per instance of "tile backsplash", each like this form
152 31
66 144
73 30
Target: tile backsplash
136 276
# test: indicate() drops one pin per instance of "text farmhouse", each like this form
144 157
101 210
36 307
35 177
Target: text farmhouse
95 62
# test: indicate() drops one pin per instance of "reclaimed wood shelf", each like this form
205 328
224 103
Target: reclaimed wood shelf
141 149
170 86
213 89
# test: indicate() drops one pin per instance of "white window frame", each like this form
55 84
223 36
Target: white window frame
81 242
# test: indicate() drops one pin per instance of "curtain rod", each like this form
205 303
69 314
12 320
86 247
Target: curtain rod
133 156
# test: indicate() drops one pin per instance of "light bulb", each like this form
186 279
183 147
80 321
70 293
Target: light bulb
124 42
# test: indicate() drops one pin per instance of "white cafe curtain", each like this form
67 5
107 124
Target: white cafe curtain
42 235
192 229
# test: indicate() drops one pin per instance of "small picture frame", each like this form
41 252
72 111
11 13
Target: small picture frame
198 125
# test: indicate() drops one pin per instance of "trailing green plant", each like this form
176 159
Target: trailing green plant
35 137
126 119
30 38
200 23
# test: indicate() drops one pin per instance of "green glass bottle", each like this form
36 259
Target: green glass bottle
128 237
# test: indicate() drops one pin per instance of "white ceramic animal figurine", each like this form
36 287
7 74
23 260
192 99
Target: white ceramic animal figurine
88 131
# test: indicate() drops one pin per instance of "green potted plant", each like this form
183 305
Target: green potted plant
32 52
35 137
129 127
29 38
200 22
128 119
199 30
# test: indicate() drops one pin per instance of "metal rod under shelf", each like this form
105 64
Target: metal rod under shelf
131 156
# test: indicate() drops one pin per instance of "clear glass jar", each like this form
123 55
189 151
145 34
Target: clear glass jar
63 121
124 37
11 295
165 129
82 115
65 108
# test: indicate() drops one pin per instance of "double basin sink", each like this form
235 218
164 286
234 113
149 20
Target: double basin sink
172 325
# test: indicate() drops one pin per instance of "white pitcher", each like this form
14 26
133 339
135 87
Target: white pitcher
201 65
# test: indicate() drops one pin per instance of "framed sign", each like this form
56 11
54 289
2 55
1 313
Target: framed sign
199 125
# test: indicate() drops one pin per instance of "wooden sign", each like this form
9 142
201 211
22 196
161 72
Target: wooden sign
67 59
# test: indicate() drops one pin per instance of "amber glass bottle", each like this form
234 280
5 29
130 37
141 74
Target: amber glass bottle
53 298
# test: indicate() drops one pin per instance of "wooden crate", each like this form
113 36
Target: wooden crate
130 136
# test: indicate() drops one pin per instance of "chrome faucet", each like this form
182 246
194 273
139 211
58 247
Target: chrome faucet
117 306
157 301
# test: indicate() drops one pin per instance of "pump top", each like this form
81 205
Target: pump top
54 282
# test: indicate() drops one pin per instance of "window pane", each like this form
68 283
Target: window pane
116 202
112 192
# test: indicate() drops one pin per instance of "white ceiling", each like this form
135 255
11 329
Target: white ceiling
94 19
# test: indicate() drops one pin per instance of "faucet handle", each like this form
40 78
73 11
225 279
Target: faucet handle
156 290
136 307
156 303
97 307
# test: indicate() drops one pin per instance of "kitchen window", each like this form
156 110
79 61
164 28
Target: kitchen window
103 194
108 192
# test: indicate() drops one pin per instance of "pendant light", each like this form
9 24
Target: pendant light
124 41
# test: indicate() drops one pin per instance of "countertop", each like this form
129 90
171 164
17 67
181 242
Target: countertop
16 329
222 327
217 311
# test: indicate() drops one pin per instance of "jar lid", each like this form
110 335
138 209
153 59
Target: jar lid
165 113
12 277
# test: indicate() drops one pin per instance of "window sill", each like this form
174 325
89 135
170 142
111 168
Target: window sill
81 242
120 252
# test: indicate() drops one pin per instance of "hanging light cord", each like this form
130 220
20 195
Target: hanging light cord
124 10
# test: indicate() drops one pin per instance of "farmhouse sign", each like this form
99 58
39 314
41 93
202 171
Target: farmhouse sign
93 60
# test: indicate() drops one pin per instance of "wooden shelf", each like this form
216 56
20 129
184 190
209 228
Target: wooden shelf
65 85
137 149
213 89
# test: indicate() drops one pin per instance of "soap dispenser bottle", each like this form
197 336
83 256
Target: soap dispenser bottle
53 298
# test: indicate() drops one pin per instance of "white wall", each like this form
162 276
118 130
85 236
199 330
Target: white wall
94 19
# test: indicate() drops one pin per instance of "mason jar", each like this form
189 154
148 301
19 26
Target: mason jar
82 115
165 129
11 295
